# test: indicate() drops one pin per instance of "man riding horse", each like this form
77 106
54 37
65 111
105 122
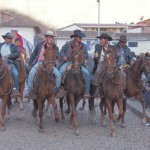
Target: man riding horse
10 53
36 59
100 50
66 54
123 54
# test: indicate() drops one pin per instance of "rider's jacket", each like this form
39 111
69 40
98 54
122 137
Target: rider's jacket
14 52
36 53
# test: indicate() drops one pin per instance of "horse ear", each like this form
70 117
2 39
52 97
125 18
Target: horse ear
147 54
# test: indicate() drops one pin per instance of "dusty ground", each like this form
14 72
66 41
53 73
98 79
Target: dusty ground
22 133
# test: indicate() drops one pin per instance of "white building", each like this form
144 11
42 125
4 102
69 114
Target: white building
137 42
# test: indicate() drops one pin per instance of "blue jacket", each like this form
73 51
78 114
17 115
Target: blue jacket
14 52
35 54
127 54
66 49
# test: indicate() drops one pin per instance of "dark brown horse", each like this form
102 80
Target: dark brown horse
5 89
112 89
74 84
134 83
44 84
22 78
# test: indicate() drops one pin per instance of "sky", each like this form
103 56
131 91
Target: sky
60 13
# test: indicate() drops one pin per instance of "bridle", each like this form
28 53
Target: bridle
114 68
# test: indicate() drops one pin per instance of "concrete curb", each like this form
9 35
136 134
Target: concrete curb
136 108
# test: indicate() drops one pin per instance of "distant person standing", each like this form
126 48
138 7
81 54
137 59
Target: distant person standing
21 49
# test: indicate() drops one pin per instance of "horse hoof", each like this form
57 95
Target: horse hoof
81 109
3 129
34 114
143 122
57 120
21 109
104 124
77 132
123 125
67 111
41 130
113 134
63 118
49 116
70 126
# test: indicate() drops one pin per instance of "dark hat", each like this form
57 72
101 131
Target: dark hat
78 33
104 36
123 37
7 35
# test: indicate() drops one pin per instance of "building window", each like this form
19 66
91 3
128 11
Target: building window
133 44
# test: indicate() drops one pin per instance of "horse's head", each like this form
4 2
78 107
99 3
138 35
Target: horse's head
146 63
109 62
49 58
77 58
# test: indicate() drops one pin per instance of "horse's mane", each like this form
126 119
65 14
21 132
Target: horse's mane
139 60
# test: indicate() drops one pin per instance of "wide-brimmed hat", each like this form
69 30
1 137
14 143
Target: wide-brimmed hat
123 37
7 35
50 33
78 33
104 36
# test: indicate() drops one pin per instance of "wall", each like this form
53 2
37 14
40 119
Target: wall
72 28
27 33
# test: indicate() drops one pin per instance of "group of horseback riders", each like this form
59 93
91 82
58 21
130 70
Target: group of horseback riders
11 52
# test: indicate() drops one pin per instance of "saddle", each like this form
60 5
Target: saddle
68 68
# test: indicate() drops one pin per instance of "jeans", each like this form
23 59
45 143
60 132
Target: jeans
85 72
15 75
33 72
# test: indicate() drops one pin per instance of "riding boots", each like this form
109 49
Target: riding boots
86 94
31 95
15 93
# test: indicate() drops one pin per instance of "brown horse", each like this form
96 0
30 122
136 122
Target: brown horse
22 78
44 84
74 84
112 89
134 83
5 89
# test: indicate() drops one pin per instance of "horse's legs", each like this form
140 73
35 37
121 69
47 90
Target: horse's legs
92 110
34 112
21 89
102 105
141 99
74 113
68 104
121 112
4 102
54 104
111 117
61 108
83 104
40 105
48 108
